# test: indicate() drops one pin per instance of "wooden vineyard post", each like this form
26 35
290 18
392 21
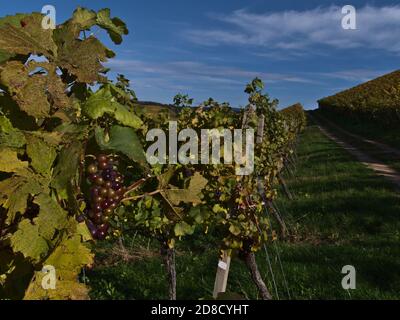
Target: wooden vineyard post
221 279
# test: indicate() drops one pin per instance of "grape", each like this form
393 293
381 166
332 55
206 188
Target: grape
93 177
99 181
101 158
108 211
92 228
108 184
113 205
105 204
119 178
107 177
100 235
104 192
97 208
103 165
103 227
92 169
108 174
111 193
97 217
116 185
97 199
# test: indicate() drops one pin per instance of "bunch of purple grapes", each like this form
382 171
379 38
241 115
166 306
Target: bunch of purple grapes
106 193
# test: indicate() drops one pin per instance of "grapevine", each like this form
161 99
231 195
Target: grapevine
73 168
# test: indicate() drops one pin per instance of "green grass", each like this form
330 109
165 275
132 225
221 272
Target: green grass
342 214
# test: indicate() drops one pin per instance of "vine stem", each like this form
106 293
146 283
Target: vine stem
142 195
250 260
136 185
168 255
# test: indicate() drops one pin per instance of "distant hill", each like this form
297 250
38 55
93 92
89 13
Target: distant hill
155 107
151 108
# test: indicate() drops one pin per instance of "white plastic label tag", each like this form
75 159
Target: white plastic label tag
222 265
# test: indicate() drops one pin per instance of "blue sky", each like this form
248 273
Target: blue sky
213 48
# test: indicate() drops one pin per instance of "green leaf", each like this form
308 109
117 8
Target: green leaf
9 136
115 26
68 259
28 91
15 192
19 119
182 228
83 230
5 56
9 161
66 168
82 58
103 101
218 209
190 195
124 140
235 230
199 214
84 18
28 241
41 153
165 177
51 216
18 200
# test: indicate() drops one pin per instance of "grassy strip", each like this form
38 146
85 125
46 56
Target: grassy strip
342 214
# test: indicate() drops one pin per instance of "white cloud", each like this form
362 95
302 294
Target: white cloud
355 75
377 27
183 71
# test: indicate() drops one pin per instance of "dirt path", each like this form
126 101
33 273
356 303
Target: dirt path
379 168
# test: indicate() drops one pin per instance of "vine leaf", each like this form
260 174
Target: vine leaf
190 195
182 228
5 56
67 259
51 216
28 241
84 18
165 177
68 161
42 154
122 139
9 136
83 58
9 161
14 194
115 26
28 91
103 101
23 34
